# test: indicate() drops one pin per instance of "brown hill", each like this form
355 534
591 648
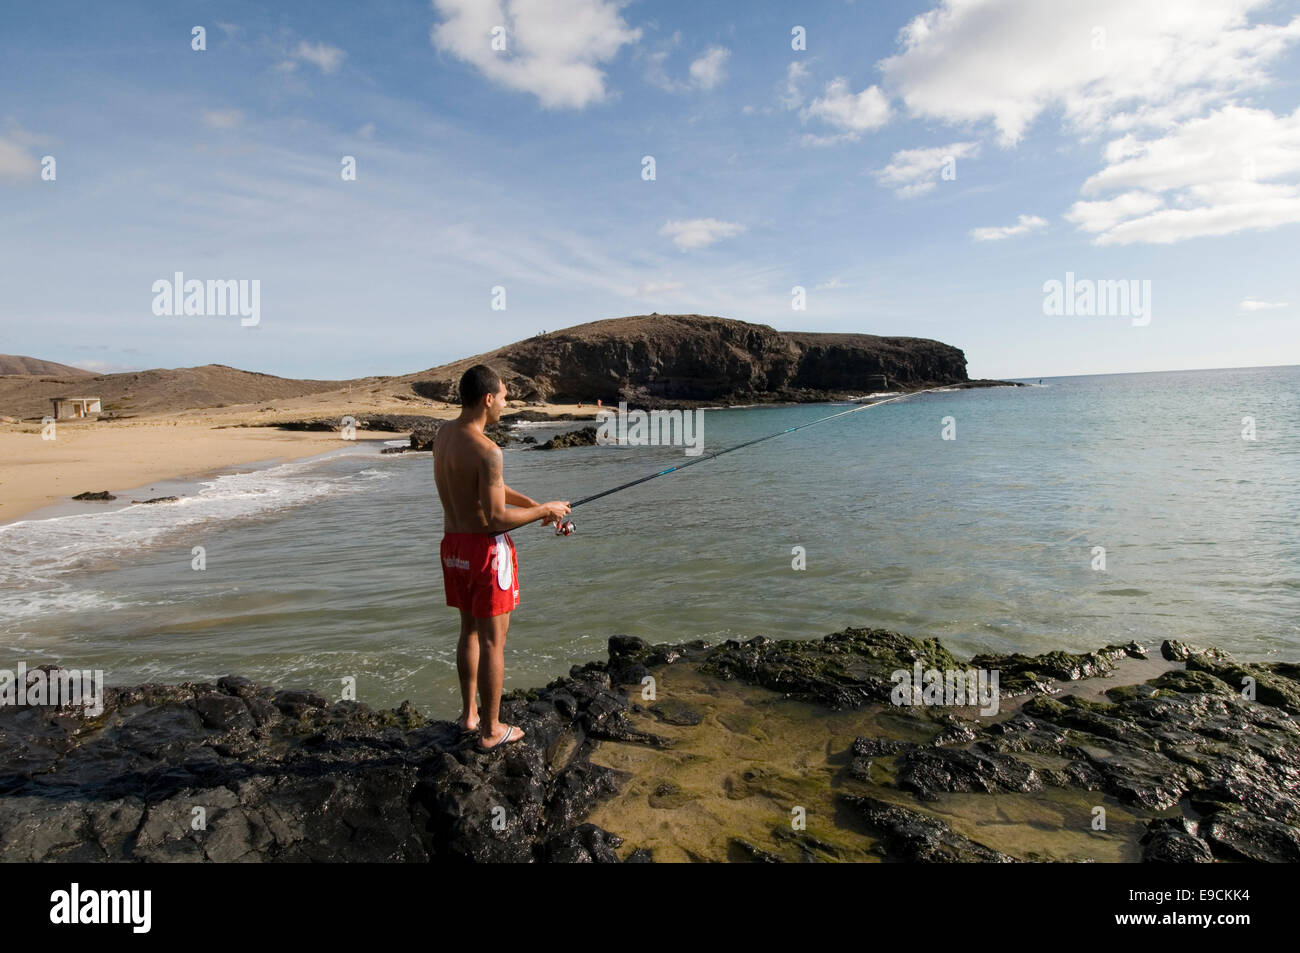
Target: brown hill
155 391
646 359
17 364
650 359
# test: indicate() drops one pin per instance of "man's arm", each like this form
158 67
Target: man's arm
492 496
515 498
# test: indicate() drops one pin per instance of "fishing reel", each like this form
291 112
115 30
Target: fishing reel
564 528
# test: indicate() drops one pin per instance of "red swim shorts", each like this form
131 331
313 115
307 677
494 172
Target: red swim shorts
480 572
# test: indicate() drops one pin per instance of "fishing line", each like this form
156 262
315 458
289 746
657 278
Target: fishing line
566 527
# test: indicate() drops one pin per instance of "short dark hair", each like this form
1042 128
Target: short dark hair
477 381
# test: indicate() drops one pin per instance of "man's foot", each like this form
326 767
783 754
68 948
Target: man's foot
465 725
505 734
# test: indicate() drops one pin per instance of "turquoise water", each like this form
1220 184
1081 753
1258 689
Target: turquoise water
329 568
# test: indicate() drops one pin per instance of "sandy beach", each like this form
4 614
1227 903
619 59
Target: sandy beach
124 454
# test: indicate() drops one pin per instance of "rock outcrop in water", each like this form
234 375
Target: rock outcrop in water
653 360
100 496
582 437
291 776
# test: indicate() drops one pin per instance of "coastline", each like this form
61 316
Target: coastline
1176 761
125 455
128 455
33 481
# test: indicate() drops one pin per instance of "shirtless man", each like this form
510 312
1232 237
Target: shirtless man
480 570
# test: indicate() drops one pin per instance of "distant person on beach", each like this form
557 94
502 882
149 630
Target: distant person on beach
480 569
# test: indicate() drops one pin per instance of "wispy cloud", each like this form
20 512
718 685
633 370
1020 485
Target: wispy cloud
223 118
792 94
1249 305
324 57
913 172
706 71
699 232
16 162
1024 225
651 288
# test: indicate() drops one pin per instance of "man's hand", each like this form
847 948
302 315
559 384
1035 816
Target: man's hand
554 511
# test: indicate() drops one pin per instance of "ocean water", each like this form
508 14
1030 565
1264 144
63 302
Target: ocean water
325 569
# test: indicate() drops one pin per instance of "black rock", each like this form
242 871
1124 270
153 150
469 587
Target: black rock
912 836
1252 837
930 772
583 437
1174 841
102 495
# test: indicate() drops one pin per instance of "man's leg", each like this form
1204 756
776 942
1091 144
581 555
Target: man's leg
467 668
491 678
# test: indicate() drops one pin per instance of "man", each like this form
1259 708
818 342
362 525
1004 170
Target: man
480 570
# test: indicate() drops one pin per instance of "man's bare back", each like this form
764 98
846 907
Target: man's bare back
479 564
460 454
467 468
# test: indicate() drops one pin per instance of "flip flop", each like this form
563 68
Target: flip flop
510 730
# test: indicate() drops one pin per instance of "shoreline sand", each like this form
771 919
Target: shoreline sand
123 455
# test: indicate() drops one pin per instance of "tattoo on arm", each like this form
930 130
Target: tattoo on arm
493 469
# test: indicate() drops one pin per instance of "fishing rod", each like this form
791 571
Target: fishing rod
565 527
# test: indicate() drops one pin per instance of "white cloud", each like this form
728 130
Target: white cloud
367 131
223 118
326 58
650 288
1236 169
710 68
1104 215
105 367
1254 304
1107 64
912 172
16 162
705 72
995 233
1164 80
699 232
554 50
24 138
792 96
852 113
655 73
831 285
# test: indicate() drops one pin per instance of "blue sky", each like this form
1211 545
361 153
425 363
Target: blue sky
1133 139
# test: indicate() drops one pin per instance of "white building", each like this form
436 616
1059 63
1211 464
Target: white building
66 407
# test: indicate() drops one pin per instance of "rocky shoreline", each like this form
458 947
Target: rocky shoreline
1185 764
504 433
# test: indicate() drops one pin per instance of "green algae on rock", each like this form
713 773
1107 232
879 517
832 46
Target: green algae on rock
764 750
